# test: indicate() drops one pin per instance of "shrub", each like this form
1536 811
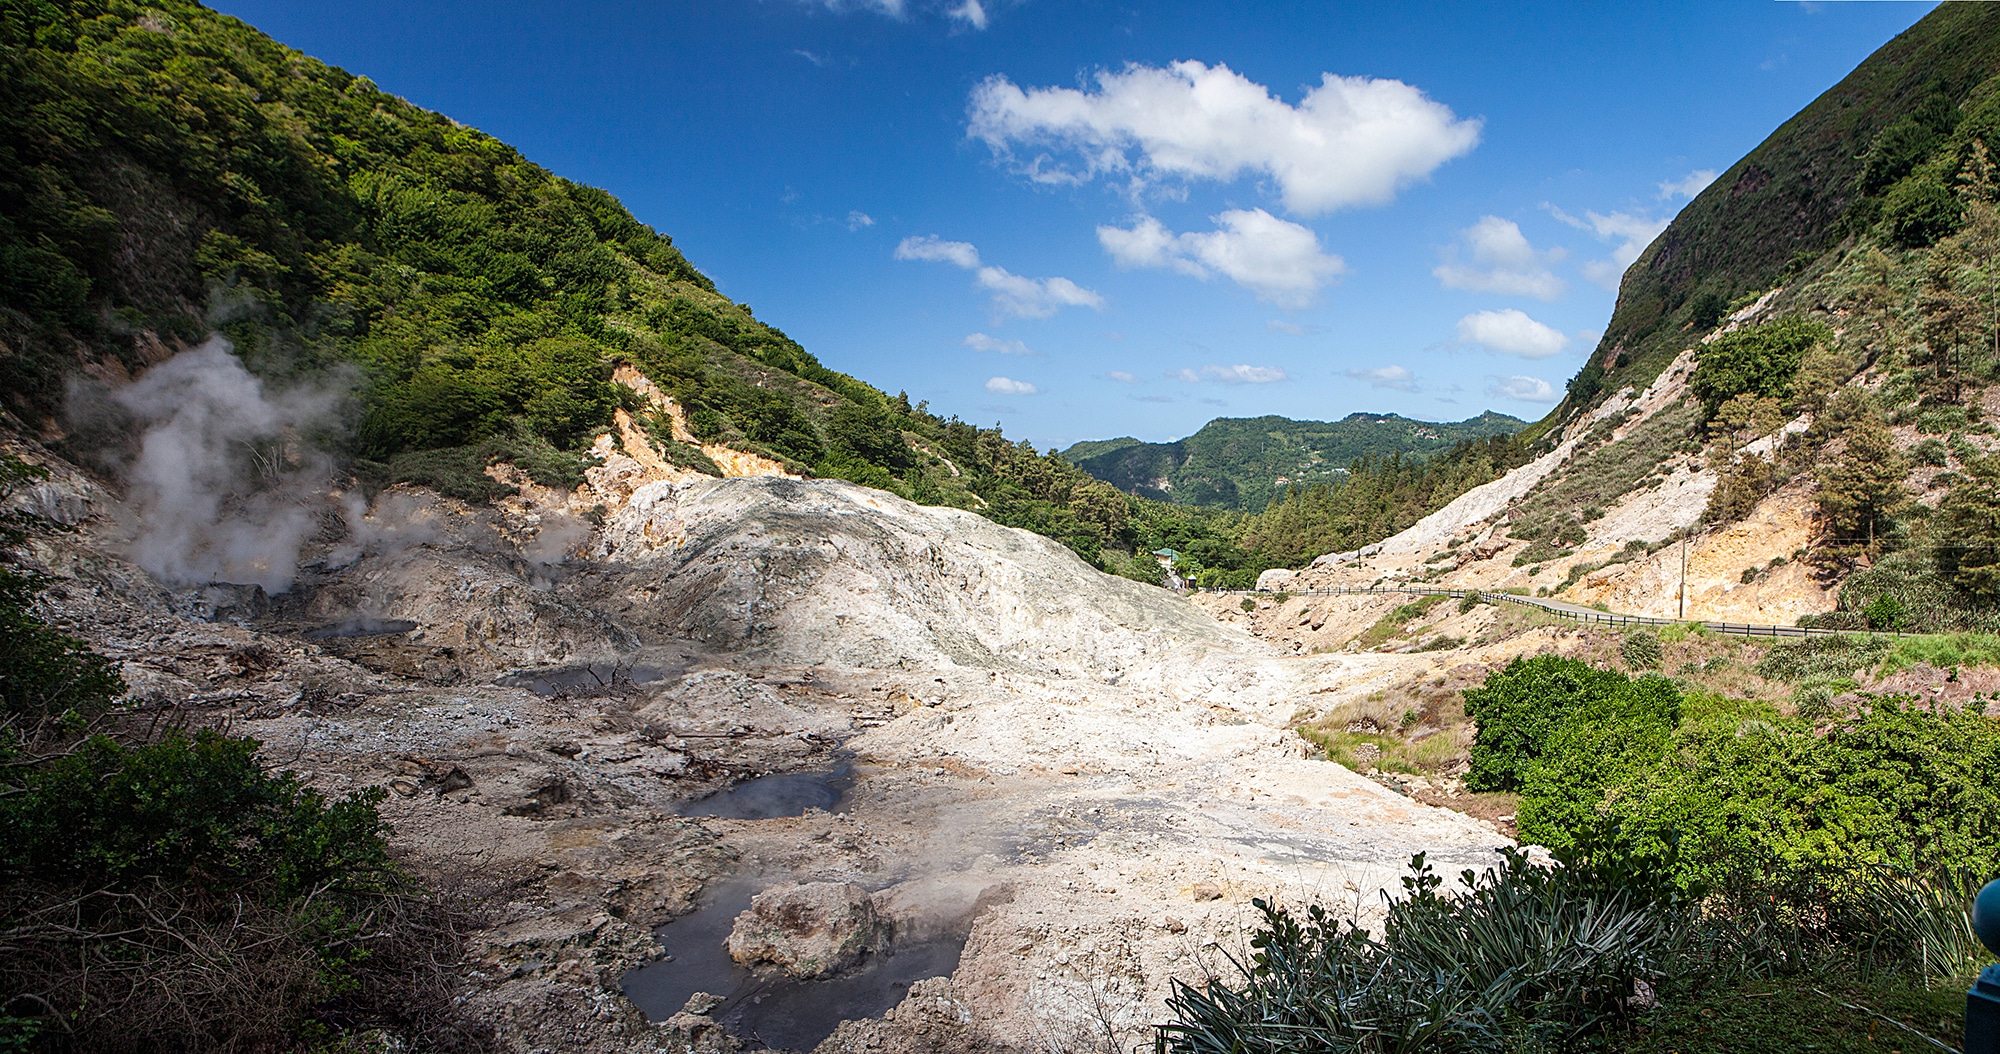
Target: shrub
1641 650
1755 360
1526 958
1518 708
1741 801
176 895
1884 612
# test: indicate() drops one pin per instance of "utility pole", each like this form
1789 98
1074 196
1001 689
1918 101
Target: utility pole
1684 577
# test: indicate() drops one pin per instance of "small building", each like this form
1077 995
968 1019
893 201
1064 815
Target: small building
1169 575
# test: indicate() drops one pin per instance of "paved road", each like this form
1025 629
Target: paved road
1561 609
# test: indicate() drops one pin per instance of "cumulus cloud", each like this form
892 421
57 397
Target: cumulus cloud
1013 295
982 342
1034 297
1687 186
1631 233
1122 377
1350 141
1187 375
1501 261
857 219
1392 377
1525 389
1010 386
1512 332
1276 259
1243 374
971 12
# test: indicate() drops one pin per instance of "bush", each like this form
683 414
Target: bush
1755 360
1741 801
1526 958
1884 612
176 895
1641 650
1519 708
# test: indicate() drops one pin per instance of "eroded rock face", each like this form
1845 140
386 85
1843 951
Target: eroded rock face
808 929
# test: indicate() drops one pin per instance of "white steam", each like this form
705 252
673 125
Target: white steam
223 488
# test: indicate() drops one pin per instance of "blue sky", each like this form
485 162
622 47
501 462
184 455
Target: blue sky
1085 220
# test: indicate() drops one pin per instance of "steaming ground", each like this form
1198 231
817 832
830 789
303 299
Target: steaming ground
1090 774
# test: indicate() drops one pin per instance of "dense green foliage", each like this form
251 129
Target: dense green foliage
1537 704
166 165
171 893
1631 777
1757 361
1244 463
1526 958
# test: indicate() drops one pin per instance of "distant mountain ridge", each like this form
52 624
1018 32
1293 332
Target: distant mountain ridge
1241 462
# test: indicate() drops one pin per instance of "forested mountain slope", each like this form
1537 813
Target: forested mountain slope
1242 462
166 171
1800 378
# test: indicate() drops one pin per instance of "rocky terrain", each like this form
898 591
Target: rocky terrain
585 706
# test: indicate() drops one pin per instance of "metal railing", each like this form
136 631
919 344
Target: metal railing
1573 612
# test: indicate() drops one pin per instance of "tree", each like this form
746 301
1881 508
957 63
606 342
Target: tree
1755 360
1971 513
1861 485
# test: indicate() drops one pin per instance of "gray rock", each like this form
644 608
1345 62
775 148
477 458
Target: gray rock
808 929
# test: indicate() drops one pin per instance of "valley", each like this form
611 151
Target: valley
438 618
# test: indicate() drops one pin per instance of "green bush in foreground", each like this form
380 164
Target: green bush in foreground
1526 957
175 894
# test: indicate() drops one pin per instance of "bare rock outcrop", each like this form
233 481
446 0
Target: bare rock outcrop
808 929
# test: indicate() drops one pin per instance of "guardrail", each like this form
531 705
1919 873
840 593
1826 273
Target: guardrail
1573 612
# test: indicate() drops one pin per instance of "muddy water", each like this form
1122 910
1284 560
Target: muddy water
781 794
359 627
768 1007
596 677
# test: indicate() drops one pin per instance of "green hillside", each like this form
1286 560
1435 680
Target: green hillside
1242 462
1867 229
1862 156
166 170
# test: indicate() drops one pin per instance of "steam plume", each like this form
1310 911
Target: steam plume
223 488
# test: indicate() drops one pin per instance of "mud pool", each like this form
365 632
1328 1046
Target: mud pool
767 1007
777 795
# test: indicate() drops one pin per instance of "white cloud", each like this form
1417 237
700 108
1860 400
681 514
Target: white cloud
1276 259
1350 141
1010 386
971 12
1122 377
1512 332
936 250
1243 374
1525 389
1013 295
1395 377
1689 185
857 219
982 342
892 8
1502 262
1034 297
1632 233
1189 376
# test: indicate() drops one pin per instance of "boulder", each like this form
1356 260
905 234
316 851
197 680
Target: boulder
808 929
1276 578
